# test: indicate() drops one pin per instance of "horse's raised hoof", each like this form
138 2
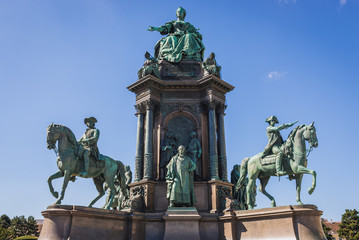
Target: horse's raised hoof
55 194
310 190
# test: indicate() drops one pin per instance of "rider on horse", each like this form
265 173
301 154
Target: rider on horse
275 142
89 143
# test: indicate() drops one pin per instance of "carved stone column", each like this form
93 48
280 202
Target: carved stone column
148 166
222 157
213 154
139 144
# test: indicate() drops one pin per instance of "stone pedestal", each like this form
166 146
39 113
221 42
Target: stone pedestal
287 222
182 223
63 222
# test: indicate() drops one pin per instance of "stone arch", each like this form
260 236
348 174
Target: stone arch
181 123
178 113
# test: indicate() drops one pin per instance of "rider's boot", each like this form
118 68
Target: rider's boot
278 165
86 166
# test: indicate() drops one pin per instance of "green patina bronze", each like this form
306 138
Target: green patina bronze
294 164
275 141
150 67
179 178
89 144
168 150
195 152
120 200
183 41
70 161
211 67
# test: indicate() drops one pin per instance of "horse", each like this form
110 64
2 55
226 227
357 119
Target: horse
294 164
70 165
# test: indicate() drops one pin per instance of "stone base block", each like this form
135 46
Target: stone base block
183 70
63 222
287 222
77 223
182 223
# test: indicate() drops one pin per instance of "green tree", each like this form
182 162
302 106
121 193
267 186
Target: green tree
349 227
6 234
22 226
19 226
326 230
5 221
32 226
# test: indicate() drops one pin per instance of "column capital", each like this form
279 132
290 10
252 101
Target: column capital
210 104
221 107
150 104
140 108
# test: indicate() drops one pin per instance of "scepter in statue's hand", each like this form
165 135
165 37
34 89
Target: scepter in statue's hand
152 28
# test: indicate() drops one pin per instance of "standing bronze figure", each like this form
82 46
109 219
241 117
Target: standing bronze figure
180 189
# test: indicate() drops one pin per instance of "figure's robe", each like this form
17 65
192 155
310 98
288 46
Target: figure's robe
180 172
182 40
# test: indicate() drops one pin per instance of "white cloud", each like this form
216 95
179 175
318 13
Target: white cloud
342 2
286 1
276 75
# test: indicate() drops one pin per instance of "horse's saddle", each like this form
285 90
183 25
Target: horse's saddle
269 159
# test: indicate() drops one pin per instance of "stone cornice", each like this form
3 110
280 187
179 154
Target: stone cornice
206 81
213 80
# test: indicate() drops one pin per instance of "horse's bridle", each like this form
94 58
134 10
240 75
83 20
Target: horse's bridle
52 145
311 140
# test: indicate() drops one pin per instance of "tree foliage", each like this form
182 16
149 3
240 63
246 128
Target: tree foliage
349 227
6 234
17 227
5 221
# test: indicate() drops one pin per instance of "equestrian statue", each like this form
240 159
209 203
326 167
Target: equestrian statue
278 159
82 158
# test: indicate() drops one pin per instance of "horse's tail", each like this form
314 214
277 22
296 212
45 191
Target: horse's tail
243 173
121 175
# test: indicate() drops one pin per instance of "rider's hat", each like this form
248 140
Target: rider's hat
272 118
90 119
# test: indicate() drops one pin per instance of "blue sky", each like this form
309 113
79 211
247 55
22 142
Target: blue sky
62 61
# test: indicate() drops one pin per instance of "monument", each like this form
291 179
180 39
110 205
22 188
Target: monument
181 188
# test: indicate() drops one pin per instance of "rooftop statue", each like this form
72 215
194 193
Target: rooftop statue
150 67
294 163
180 189
183 41
70 161
211 67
